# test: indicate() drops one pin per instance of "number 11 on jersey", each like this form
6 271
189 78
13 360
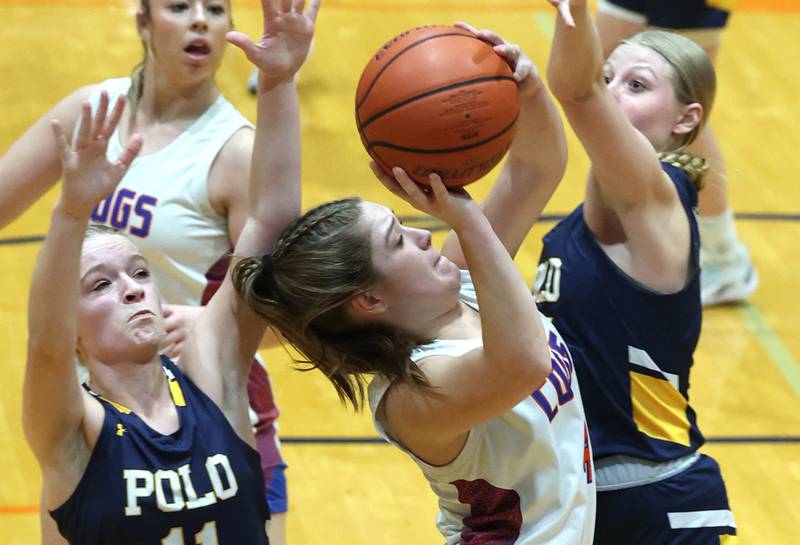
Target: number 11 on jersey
206 536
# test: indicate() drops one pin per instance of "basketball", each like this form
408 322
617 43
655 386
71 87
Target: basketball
437 99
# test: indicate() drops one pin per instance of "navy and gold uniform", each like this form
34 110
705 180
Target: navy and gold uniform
632 349
200 485
672 14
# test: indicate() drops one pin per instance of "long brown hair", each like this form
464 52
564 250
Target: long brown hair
302 289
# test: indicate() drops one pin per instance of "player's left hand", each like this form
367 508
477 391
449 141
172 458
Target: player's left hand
286 40
525 73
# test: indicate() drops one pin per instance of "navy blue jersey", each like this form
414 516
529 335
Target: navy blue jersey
680 14
200 485
632 347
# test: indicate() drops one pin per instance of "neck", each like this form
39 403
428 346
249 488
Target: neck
141 388
453 323
164 99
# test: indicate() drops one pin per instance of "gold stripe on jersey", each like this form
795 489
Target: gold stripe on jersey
659 409
177 393
121 408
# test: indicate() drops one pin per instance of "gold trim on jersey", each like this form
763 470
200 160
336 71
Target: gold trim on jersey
121 408
177 393
659 409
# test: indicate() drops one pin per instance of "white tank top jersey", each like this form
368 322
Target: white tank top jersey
523 478
162 202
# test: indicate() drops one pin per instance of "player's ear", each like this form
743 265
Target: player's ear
367 304
689 119
142 25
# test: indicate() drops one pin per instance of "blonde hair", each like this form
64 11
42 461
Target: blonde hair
96 229
694 81
136 89
695 167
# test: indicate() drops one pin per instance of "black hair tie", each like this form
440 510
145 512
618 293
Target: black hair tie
264 283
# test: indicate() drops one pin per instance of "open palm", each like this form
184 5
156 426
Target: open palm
88 175
286 40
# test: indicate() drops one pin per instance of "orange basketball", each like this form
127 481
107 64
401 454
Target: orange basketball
437 99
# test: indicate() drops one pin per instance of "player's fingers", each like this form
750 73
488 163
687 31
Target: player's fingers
490 36
61 140
437 186
313 9
100 117
465 26
175 351
82 139
116 115
131 150
409 186
387 180
566 14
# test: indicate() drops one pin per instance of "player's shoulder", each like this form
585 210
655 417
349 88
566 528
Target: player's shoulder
236 154
73 100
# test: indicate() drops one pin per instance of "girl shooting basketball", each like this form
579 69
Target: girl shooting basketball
467 377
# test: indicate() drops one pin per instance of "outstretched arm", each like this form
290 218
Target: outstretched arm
536 160
221 346
54 406
625 166
484 383
626 187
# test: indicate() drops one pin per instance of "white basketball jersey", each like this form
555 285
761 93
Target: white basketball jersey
162 202
524 477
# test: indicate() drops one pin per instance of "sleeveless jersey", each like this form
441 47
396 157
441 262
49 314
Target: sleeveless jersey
524 477
632 346
680 15
162 202
201 484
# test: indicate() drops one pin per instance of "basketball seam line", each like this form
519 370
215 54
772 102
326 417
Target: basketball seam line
429 93
399 53
446 150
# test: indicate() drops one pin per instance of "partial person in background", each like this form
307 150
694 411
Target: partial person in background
184 200
728 274
146 451
620 277
467 377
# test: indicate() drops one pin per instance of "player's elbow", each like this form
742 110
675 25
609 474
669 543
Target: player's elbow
532 365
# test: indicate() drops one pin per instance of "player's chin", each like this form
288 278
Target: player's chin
448 269
148 334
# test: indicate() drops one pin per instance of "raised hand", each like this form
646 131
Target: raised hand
286 40
88 176
563 9
454 206
525 73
